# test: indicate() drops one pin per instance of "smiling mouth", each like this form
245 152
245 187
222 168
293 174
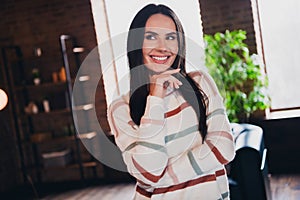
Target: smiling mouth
160 59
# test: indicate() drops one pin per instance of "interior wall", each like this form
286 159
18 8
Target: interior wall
35 23
221 15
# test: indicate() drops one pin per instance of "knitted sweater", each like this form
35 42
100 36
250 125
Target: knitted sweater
166 153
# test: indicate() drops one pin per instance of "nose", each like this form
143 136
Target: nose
161 45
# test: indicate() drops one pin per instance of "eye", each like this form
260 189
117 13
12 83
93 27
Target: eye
150 37
171 37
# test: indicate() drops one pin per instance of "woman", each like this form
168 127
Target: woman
173 131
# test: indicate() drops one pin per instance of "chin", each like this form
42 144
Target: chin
157 69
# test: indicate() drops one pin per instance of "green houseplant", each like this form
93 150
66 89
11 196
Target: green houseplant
237 76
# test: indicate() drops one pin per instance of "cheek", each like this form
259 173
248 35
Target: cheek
145 52
173 47
175 50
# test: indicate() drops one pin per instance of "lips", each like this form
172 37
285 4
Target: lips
160 59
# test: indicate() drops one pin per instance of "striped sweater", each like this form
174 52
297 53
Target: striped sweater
166 153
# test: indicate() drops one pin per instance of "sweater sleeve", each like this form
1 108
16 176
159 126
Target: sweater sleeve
143 147
218 146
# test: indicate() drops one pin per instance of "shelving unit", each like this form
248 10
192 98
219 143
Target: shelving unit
49 148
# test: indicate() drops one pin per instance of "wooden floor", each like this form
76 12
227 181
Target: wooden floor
107 192
283 187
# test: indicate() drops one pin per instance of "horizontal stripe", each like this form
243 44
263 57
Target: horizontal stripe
146 144
152 121
146 174
176 110
200 180
180 134
216 152
219 111
221 134
220 172
203 179
143 192
194 164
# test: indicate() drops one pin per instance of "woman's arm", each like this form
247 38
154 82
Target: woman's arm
143 147
218 147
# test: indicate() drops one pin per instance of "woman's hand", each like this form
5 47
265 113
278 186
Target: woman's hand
160 82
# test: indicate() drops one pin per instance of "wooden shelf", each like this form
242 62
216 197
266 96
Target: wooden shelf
89 135
85 107
51 113
87 164
72 165
51 86
41 132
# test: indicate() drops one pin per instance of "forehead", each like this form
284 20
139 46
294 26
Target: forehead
160 22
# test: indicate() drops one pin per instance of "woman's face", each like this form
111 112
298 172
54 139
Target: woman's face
160 46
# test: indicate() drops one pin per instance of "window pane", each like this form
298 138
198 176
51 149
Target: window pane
280 32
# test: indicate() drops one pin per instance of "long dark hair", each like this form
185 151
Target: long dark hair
139 74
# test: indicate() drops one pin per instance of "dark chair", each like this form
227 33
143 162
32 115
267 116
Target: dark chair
248 173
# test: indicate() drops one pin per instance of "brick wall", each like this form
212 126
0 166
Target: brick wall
219 15
40 23
35 23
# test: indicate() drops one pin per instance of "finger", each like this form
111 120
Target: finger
177 84
171 71
174 82
165 80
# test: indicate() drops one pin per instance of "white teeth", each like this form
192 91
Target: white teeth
160 58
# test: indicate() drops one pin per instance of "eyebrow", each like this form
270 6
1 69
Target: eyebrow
151 32
172 33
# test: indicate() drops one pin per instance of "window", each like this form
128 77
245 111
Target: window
280 29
